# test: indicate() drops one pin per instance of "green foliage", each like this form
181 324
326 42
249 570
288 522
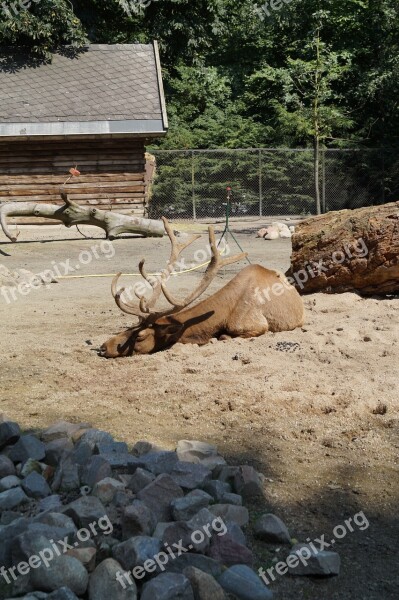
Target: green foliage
325 70
44 27
203 113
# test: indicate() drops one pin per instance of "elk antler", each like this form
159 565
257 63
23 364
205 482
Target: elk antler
144 311
216 263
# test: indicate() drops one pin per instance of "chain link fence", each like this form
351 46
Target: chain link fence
191 184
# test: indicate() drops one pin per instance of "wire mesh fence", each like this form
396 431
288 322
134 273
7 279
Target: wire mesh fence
191 184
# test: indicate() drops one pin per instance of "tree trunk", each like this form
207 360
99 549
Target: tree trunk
348 250
113 223
316 121
316 165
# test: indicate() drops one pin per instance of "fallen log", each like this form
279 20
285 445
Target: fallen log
348 250
113 223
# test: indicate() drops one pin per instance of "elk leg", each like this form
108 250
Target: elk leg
224 337
248 326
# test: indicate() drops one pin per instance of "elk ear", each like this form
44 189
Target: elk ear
174 328
169 325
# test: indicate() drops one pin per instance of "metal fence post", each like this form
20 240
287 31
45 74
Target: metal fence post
260 185
383 176
193 184
323 181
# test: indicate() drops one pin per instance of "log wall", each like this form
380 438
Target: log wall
112 171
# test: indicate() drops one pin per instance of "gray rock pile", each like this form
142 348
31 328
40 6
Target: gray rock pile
84 516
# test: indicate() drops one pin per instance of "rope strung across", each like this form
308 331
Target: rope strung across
137 274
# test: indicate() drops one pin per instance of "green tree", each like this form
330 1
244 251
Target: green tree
302 95
233 79
43 28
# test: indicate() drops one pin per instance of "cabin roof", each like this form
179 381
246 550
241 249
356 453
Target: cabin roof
97 90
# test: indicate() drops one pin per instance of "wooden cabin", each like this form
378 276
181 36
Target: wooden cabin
94 110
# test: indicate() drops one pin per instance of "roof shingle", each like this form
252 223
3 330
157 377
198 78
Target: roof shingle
102 83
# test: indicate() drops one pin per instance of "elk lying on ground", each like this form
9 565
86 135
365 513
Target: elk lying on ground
257 300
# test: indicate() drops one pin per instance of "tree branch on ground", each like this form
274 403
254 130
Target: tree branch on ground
113 223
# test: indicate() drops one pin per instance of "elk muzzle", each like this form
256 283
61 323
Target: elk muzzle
121 344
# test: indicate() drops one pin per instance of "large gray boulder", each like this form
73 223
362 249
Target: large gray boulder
229 512
111 448
216 489
9 482
63 571
185 508
247 482
8 533
9 433
244 584
12 498
52 502
138 519
159 462
57 450
60 430
199 452
96 469
305 561
106 489
228 552
63 593
190 476
28 446
66 477
271 528
159 494
109 583
199 561
6 466
204 586
85 510
46 570
65 524
35 486
136 551
140 479
93 437
168 586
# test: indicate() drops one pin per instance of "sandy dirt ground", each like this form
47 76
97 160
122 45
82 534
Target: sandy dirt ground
320 420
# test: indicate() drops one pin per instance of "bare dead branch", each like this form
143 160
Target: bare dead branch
114 224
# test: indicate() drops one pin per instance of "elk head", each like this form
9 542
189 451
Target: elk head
157 330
